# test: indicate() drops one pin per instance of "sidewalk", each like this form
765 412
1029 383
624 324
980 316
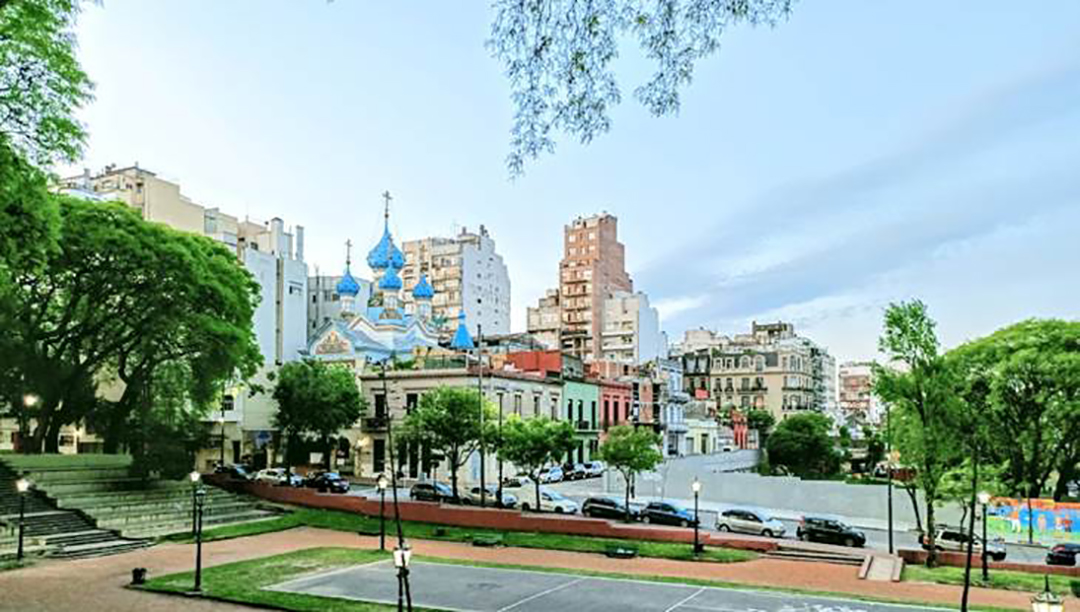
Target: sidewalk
96 584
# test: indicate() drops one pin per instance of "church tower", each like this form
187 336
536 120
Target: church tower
347 287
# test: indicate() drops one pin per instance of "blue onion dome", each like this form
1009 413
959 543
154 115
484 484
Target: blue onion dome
462 339
386 254
390 280
348 285
423 289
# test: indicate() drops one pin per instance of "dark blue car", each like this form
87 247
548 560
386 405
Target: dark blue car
663 513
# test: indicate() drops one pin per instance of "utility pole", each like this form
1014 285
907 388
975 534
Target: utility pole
480 401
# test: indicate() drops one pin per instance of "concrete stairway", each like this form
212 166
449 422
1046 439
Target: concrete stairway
50 531
101 487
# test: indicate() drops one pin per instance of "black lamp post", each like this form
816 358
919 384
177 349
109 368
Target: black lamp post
480 391
403 572
381 484
194 476
984 499
23 487
697 491
200 500
221 424
401 562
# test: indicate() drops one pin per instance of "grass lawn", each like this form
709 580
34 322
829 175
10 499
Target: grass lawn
356 523
999 579
243 582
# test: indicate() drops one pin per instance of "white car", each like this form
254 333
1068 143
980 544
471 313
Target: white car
550 501
509 500
515 482
594 469
750 521
551 475
278 476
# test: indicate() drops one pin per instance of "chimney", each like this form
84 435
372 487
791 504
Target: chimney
299 243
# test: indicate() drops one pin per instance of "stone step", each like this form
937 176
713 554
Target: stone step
63 488
80 537
128 505
114 520
48 477
99 549
825 557
162 529
79 498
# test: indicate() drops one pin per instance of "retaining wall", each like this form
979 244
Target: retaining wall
959 559
488 518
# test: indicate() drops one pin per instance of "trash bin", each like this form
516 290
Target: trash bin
138 575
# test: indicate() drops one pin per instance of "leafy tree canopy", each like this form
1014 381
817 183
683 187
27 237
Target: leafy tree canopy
559 56
761 420
630 451
802 444
41 82
316 400
531 444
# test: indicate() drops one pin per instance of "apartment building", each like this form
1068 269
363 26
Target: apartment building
593 267
324 302
630 331
272 252
770 368
466 273
857 401
543 320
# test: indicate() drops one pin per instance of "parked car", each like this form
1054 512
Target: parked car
664 513
432 492
509 500
607 507
551 475
234 472
750 521
279 476
328 481
550 501
516 482
1063 554
951 538
594 469
573 471
829 531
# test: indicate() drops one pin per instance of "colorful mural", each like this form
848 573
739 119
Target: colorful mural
1056 521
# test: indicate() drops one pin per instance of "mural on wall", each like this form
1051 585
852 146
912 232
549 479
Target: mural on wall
1052 520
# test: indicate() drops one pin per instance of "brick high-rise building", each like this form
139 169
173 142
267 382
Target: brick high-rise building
592 268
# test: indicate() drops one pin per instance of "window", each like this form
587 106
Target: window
378 456
744 362
517 405
745 384
536 404
412 400
746 401
380 406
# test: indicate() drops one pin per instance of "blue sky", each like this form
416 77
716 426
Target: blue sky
859 153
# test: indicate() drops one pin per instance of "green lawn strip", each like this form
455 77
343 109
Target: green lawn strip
700 582
358 523
999 579
245 581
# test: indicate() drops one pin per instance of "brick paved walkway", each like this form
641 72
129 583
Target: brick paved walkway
96 584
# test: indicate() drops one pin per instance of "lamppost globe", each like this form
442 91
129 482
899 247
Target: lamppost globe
194 476
696 486
402 557
381 482
30 400
984 498
22 485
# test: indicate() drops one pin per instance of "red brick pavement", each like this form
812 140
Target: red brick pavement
97 584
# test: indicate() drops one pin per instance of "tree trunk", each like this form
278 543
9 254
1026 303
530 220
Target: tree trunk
454 465
52 436
1031 521
1066 474
931 556
536 483
971 536
913 495
627 508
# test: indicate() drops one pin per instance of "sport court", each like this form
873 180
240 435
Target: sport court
474 589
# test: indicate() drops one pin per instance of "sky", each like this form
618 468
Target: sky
857 154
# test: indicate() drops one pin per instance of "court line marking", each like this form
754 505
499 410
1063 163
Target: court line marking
540 594
686 599
362 566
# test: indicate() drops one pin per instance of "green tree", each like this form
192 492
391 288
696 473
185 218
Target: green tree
630 451
316 401
120 298
449 422
531 444
761 420
923 395
41 82
875 447
559 59
802 444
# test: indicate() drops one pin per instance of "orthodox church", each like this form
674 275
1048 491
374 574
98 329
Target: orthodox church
380 329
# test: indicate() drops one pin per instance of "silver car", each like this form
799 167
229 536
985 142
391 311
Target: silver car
509 500
749 521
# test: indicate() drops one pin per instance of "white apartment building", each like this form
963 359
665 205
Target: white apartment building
467 274
631 330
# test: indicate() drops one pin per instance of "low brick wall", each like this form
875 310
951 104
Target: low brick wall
958 559
490 518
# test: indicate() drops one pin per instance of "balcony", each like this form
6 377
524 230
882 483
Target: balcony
374 424
585 426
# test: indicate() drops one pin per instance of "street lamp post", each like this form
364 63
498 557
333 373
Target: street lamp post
200 500
697 522
984 499
23 487
402 555
194 476
480 390
403 573
1047 601
381 484
221 426
889 466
